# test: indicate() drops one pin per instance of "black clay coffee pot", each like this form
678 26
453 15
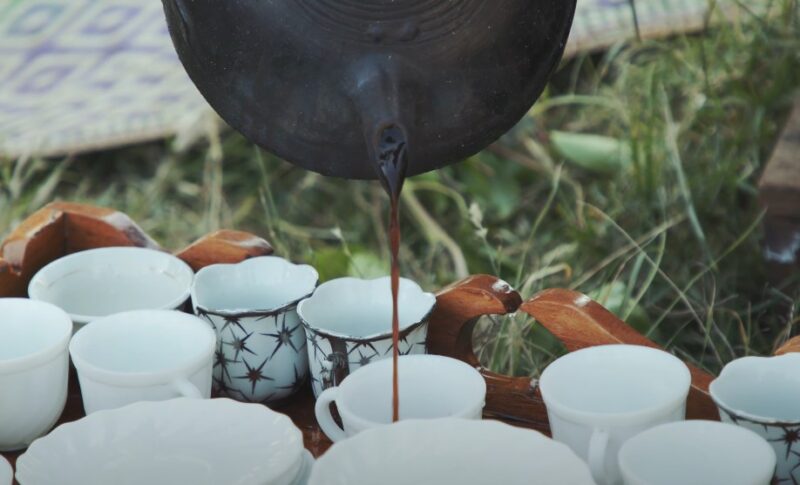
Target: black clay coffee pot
319 82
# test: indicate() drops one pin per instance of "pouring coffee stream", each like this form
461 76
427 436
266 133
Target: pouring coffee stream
392 160
429 82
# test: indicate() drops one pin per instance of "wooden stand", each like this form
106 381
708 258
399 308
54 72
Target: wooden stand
63 228
779 193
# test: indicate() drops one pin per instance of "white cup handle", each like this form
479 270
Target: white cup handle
186 389
598 445
322 409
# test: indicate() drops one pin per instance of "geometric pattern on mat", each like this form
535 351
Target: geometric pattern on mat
77 75
83 74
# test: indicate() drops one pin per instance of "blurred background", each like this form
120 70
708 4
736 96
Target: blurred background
634 179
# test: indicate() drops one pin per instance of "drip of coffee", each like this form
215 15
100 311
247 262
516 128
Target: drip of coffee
392 165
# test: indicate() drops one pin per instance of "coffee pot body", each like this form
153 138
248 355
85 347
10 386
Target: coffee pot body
318 81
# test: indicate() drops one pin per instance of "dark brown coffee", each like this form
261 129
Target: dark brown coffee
393 163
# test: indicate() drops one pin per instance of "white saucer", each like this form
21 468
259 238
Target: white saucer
197 441
449 451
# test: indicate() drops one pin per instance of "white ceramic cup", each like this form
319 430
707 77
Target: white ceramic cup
143 355
261 345
696 453
599 397
431 386
33 369
100 282
762 394
6 472
348 323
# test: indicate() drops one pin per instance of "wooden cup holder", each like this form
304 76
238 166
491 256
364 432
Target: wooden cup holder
63 228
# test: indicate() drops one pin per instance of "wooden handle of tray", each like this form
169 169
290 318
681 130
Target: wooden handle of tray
458 308
792 345
580 322
224 246
62 228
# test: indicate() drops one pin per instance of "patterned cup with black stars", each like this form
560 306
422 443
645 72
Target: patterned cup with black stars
261 344
762 394
348 323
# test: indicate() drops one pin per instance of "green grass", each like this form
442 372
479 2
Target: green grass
665 230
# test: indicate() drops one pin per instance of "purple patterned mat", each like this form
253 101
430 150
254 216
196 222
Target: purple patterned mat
78 75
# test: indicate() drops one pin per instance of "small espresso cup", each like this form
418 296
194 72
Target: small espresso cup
99 282
430 387
33 369
696 453
261 355
143 355
599 397
762 394
348 324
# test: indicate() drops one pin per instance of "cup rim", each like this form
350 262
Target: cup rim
47 353
629 468
729 369
432 358
80 319
138 379
404 329
243 312
616 418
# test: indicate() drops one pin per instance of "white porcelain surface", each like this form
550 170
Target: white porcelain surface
349 324
431 386
599 397
33 369
305 469
180 441
143 355
762 394
261 345
6 473
99 282
697 453
449 452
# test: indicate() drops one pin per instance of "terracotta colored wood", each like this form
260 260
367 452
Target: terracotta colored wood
458 308
62 228
792 345
57 229
37 241
90 227
224 247
580 322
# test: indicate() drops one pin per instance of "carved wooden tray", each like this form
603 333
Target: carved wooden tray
63 228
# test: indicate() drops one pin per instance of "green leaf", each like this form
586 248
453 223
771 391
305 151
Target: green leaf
367 265
331 262
596 153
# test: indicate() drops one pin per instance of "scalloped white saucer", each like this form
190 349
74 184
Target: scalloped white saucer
197 441
449 452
